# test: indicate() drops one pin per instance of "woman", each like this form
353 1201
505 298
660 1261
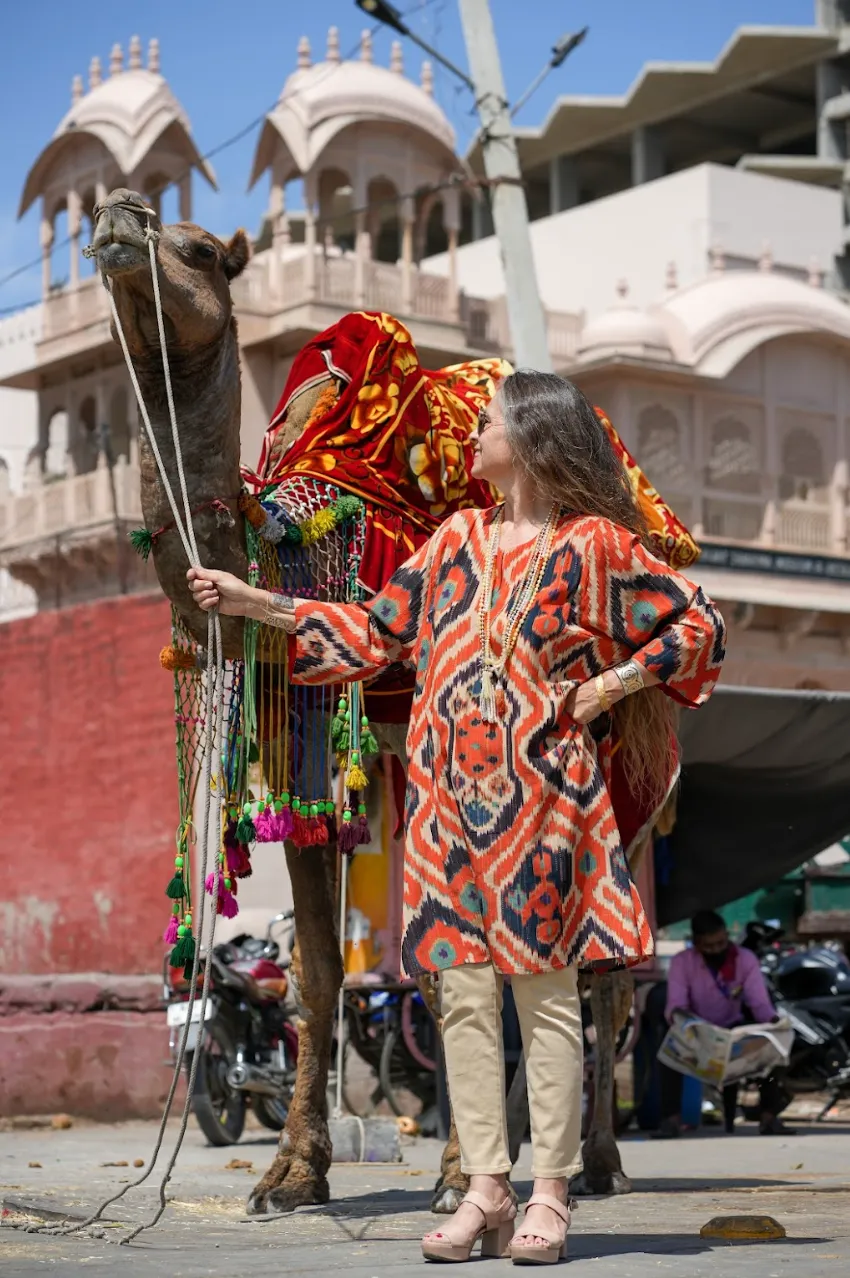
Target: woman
525 624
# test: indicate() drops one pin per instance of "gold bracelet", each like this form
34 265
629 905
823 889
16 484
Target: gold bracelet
602 694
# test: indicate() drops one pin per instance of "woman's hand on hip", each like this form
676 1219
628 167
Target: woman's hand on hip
232 596
583 703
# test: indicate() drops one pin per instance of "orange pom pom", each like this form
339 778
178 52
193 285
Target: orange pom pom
176 659
323 404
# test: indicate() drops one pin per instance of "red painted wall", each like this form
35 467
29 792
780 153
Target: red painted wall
88 791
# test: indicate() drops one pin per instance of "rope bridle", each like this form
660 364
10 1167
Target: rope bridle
212 743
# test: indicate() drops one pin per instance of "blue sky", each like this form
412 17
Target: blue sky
227 63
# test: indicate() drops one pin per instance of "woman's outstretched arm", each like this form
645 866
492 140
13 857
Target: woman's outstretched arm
333 643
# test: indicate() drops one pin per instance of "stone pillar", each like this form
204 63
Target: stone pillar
310 203
362 255
74 226
185 190
46 236
832 141
648 161
770 478
563 183
838 509
408 216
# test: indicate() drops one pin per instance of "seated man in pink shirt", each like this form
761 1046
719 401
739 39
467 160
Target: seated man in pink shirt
722 984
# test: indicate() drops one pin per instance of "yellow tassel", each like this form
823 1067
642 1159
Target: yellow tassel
252 510
341 758
356 778
323 405
317 526
176 659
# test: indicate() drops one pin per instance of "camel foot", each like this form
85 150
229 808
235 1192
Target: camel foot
307 1191
447 1198
590 1184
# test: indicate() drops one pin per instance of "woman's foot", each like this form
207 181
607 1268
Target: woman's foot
538 1216
488 1199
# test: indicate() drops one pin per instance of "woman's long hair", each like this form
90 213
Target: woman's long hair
558 440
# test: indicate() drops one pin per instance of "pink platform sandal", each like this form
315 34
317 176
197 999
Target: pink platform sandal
495 1233
556 1240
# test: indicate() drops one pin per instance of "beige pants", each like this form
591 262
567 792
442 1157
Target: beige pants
550 1022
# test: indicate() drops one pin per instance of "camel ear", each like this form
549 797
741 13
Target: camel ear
236 254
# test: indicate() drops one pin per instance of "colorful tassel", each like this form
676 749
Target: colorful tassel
356 778
238 861
177 659
364 834
283 823
347 838
318 526
347 506
183 954
176 887
245 831
264 826
252 510
169 936
142 542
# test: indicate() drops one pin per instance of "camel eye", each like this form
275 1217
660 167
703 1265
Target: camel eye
205 251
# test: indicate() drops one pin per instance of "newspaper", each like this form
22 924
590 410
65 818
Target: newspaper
723 1056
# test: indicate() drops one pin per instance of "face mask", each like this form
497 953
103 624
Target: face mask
716 961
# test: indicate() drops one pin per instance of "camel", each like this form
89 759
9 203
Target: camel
195 270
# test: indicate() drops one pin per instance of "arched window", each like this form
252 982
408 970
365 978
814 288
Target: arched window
660 448
119 431
733 464
54 456
84 443
803 470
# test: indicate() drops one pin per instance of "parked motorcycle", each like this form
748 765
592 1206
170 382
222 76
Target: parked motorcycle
810 986
248 1044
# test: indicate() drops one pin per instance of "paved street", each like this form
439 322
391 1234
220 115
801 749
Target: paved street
372 1228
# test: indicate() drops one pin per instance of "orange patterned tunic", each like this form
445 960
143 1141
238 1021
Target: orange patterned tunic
512 849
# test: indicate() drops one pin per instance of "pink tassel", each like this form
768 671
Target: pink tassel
238 861
209 885
347 840
283 824
170 933
264 824
227 904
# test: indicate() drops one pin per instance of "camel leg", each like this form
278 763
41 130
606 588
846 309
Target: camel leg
298 1175
452 1183
610 1000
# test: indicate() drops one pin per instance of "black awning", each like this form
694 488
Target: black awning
765 786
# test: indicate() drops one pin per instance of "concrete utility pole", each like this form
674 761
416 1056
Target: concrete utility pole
510 212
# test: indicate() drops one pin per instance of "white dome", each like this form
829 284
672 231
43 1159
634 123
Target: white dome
717 321
320 101
624 330
128 113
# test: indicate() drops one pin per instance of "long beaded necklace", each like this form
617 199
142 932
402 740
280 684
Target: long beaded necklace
492 670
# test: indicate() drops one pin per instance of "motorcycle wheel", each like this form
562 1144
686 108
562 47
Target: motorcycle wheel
218 1109
399 1074
272 1113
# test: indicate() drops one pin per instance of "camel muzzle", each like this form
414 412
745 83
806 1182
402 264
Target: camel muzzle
123 224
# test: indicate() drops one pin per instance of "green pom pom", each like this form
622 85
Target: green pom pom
369 742
176 890
292 535
141 541
183 954
245 829
347 506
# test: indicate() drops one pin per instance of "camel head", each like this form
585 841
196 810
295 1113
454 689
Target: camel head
194 270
